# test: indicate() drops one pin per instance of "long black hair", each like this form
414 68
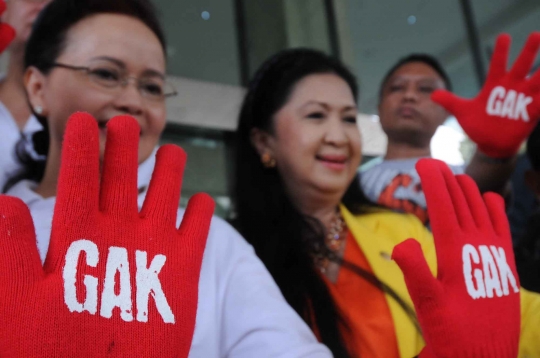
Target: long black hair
46 43
285 239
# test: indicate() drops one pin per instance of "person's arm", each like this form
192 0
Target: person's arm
256 321
491 174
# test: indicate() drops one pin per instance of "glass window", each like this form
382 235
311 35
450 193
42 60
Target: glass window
201 37
207 166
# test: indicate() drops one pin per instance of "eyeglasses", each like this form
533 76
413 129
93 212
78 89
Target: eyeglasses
152 87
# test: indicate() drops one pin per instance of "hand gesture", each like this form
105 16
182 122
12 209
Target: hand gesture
507 108
116 281
472 307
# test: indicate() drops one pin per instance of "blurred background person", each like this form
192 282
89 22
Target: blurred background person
410 116
16 118
527 246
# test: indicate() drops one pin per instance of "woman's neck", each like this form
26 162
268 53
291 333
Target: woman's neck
48 185
321 206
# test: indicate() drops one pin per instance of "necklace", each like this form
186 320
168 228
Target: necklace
333 241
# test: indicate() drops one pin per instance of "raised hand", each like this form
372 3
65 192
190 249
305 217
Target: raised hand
116 281
472 307
507 108
7 33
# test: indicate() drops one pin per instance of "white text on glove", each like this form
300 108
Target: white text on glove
508 104
494 276
146 278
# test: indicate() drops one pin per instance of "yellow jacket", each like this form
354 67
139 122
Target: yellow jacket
377 234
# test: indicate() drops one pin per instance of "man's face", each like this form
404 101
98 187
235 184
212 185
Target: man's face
407 113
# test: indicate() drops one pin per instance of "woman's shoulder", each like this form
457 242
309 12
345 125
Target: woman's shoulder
381 216
392 224
224 242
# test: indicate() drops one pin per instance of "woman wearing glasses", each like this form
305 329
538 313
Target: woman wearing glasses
107 58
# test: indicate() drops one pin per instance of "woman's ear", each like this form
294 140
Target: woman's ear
34 82
262 141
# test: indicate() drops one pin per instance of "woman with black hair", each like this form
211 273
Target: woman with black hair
327 246
107 58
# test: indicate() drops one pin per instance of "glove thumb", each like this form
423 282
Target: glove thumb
420 282
448 101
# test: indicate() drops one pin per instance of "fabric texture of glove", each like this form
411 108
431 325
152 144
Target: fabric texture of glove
507 108
472 307
116 281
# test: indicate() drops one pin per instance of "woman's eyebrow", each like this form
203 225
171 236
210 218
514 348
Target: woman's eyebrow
111 59
122 65
154 73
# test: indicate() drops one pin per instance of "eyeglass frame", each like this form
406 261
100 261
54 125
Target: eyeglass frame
124 81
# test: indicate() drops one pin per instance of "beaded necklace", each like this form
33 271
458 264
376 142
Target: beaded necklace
333 241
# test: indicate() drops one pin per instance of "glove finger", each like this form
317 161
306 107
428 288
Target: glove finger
497 213
120 163
196 223
475 201
499 59
78 181
449 101
420 282
20 257
525 59
7 34
446 203
163 196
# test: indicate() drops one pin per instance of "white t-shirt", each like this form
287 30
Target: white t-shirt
241 312
10 134
396 185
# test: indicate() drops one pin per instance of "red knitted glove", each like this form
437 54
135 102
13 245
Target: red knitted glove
507 108
115 282
7 33
472 308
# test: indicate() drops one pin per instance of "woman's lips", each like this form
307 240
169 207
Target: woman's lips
334 162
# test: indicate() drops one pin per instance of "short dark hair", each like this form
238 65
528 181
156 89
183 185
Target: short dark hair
533 148
418 57
50 28
48 40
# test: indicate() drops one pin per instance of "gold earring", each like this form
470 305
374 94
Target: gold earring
268 161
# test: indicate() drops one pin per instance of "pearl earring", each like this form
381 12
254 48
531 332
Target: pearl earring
38 109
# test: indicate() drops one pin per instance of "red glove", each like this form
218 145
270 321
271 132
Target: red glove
472 308
7 33
115 282
507 108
